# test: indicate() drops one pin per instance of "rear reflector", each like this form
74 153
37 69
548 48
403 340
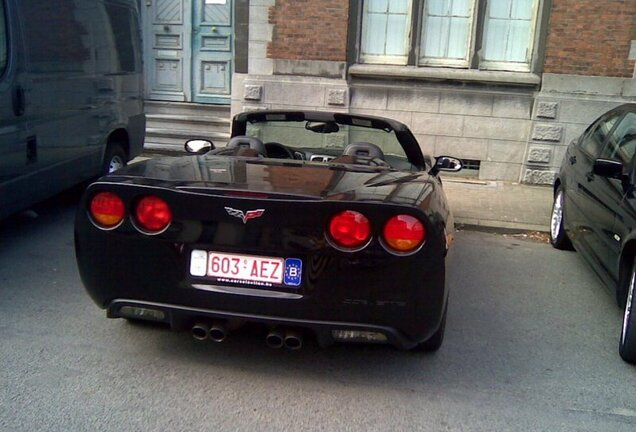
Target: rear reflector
107 210
350 229
404 233
153 214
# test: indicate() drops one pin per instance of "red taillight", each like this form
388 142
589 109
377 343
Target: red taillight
404 233
152 214
350 229
107 210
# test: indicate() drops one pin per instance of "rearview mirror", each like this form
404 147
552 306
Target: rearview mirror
447 164
608 168
322 127
198 146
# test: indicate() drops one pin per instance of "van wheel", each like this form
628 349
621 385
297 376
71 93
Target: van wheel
627 346
114 159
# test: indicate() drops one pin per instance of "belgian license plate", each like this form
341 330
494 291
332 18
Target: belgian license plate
246 268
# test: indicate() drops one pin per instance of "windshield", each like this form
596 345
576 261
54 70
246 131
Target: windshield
324 138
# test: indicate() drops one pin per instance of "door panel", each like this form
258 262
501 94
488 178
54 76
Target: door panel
166 28
212 51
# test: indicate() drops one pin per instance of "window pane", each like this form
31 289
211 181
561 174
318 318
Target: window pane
378 6
446 29
396 31
385 29
622 142
593 143
508 30
375 35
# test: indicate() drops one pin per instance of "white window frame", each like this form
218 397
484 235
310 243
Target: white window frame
510 65
386 59
473 59
440 61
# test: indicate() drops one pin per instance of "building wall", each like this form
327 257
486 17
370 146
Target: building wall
591 37
516 125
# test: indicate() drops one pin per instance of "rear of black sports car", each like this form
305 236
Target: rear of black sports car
299 249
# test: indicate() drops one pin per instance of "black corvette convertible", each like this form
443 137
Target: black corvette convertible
328 224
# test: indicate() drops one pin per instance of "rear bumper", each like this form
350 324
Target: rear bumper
183 318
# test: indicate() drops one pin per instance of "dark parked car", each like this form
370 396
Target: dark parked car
595 208
306 222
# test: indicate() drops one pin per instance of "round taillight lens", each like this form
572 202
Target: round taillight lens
107 209
350 229
152 214
404 233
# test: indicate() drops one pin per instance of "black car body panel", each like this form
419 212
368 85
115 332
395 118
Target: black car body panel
402 296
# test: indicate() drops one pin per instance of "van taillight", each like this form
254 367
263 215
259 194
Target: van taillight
403 234
152 214
107 210
350 229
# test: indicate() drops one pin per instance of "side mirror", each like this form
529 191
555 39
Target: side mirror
447 164
608 168
198 146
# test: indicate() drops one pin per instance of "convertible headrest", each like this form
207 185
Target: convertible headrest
364 149
246 142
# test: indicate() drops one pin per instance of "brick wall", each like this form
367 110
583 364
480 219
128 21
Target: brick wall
309 30
591 37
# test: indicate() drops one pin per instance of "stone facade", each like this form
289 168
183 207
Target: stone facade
517 125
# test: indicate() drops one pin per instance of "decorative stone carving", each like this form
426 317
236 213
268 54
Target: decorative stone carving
253 92
336 97
547 110
547 132
539 155
539 177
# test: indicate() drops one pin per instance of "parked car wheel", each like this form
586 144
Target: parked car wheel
627 347
434 342
114 159
558 237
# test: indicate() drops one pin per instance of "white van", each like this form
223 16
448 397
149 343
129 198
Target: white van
71 95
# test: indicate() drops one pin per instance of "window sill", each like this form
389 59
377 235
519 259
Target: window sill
444 74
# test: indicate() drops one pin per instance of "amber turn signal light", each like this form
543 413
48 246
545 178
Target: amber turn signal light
404 233
107 210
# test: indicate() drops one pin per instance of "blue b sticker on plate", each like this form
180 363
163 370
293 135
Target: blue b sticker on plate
293 271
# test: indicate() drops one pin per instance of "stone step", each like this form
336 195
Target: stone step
186 109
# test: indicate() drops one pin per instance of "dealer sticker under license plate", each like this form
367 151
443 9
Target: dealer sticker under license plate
246 268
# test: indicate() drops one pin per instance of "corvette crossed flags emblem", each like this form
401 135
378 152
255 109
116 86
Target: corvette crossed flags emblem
250 214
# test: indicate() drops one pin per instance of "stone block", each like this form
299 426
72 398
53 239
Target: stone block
438 124
369 98
260 66
583 111
466 104
462 148
512 107
539 177
499 171
506 151
336 96
253 92
547 110
298 93
413 100
405 117
496 128
540 155
547 132
427 144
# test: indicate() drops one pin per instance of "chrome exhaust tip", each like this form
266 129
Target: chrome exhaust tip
218 332
201 331
275 339
293 340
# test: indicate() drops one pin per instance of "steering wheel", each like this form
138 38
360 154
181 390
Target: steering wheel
278 151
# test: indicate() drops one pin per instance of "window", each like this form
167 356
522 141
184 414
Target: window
492 35
593 142
621 144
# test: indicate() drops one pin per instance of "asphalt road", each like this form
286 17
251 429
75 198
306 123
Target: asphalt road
531 345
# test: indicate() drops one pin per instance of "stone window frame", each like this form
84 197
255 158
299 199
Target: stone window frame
472 70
